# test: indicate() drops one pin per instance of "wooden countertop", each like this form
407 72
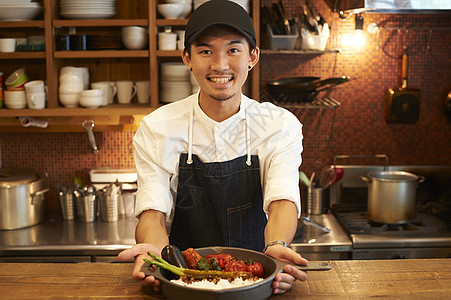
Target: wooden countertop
400 279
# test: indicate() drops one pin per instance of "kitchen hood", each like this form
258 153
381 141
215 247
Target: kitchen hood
390 6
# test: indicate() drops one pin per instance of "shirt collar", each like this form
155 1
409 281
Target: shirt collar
200 115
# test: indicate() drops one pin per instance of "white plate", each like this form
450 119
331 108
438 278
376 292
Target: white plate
88 15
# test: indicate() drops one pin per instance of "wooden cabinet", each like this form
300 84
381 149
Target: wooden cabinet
111 65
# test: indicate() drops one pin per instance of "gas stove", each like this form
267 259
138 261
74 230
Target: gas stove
427 235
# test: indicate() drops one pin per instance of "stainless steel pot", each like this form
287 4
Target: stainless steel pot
21 198
392 196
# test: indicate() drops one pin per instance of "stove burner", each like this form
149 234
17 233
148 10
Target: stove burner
355 220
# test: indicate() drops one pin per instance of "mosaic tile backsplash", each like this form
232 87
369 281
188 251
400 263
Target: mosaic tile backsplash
357 126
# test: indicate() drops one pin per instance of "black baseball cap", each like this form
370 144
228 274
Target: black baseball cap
219 12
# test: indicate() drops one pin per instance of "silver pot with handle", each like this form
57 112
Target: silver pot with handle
21 198
392 196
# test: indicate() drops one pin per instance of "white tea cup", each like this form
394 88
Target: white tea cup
36 100
35 87
7 45
109 91
143 91
126 90
167 41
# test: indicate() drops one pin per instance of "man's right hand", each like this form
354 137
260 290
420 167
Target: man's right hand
138 253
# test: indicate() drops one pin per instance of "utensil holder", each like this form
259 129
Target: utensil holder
315 201
87 208
67 205
109 207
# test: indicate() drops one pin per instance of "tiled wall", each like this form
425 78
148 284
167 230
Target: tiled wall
357 126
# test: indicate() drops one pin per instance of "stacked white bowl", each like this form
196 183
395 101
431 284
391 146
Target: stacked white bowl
19 10
87 9
174 82
134 37
91 98
15 99
71 81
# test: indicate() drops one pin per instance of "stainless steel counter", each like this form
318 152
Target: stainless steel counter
315 244
68 241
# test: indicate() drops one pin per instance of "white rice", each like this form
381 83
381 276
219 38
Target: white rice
221 284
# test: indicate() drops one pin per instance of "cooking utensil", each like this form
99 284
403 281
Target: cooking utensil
88 125
403 105
392 196
21 198
286 23
327 177
267 18
309 221
279 17
304 179
260 290
301 89
174 256
447 106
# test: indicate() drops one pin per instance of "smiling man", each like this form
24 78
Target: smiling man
218 168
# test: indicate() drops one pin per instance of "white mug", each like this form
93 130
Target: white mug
7 45
35 87
143 88
126 90
167 41
109 91
36 100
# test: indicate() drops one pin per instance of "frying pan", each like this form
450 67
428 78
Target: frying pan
403 105
301 89
260 290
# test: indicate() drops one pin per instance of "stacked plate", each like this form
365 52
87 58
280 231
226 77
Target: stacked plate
175 82
19 10
246 4
87 9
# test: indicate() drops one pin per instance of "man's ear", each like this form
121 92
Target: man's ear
254 57
186 58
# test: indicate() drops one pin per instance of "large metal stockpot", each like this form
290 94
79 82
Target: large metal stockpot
392 196
21 198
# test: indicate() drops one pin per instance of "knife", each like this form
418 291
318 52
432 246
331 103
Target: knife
315 266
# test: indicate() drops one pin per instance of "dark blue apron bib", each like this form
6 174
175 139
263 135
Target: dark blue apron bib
219 204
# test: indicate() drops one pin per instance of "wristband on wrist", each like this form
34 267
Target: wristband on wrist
275 243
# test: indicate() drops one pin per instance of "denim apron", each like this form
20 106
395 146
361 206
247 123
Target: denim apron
219 203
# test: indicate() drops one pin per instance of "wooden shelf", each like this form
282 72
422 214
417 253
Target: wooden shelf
101 54
166 53
171 22
114 109
101 23
21 24
23 55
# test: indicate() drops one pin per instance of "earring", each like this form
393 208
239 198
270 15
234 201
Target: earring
190 69
250 68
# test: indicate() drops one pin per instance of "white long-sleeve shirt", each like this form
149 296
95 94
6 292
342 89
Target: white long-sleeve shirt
275 136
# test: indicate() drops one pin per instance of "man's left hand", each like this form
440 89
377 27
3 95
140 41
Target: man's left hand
283 281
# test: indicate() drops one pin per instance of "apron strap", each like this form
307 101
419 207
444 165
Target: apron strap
190 136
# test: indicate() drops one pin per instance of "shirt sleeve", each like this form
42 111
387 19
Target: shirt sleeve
153 180
281 166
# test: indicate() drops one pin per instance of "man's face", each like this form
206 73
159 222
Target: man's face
220 61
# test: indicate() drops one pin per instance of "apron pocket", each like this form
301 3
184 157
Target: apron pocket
239 226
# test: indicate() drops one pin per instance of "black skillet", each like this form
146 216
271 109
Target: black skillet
260 290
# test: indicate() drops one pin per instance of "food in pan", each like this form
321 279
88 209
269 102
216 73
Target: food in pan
217 271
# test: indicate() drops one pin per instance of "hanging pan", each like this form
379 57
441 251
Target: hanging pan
403 105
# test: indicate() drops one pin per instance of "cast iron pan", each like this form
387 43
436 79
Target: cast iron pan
260 290
403 105
301 89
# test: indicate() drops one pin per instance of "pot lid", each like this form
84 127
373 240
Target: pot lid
16 176
393 176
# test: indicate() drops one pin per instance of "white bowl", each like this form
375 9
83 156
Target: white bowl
91 102
129 30
19 11
71 87
91 93
170 10
69 100
135 42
